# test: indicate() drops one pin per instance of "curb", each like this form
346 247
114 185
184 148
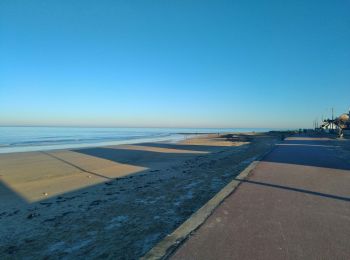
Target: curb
171 242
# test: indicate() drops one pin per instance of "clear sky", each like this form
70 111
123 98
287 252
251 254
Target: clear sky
176 63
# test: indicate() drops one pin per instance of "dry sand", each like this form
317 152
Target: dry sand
115 201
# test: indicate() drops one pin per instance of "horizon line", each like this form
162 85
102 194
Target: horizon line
190 127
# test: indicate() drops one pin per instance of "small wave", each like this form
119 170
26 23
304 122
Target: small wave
74 140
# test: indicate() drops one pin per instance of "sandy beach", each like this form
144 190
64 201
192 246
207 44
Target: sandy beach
114 201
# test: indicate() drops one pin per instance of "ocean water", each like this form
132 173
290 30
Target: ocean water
23 139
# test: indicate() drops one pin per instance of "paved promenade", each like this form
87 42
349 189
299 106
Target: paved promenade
294 205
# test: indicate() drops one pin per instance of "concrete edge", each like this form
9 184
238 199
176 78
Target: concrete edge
170 243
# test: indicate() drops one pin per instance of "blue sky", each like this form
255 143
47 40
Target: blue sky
173 63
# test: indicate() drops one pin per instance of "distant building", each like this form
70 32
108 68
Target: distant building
340 124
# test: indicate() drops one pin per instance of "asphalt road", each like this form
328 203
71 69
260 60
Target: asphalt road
294 205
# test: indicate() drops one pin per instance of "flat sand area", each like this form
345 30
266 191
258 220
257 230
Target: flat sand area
115 201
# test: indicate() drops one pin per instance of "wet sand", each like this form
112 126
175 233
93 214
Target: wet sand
115 201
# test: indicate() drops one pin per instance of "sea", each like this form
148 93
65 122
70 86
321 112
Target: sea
24 139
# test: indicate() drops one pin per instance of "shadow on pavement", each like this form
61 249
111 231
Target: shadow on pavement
295 189
318 153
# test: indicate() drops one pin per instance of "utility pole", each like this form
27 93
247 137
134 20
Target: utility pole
332 119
